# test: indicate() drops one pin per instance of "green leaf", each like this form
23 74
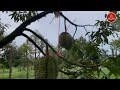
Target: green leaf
13 15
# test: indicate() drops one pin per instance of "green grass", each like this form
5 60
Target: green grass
17 74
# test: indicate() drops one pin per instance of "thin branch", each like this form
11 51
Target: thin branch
67 73
85 29
72 22
65 25
33 43
18 31
75 31
27 29
52 20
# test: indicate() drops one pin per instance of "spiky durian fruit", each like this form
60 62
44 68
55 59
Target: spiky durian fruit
66 40
46 68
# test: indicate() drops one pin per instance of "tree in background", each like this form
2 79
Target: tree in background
115 47
34 51
25 50
10 54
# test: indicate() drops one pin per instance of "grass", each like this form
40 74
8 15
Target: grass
17 74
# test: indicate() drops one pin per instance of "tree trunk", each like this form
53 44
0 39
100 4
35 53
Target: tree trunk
112 52
27 75
31 67
3 71
20 68
116 52
10 69
10 65
35 56
24 66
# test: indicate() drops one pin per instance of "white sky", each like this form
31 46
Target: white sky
50 31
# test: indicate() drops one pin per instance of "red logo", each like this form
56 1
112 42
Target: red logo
111 17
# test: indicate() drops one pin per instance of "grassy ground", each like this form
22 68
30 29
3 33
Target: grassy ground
17 74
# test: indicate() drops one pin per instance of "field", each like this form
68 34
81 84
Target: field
17 74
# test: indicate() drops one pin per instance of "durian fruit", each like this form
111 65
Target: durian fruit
46 68
66 40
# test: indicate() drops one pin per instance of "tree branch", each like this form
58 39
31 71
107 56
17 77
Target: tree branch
18 31
72 22
67 73
51 47
33 43
65 25
55 50
75 31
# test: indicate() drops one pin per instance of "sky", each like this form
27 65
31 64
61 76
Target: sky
50 31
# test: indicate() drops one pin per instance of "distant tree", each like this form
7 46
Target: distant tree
10 53
25 49
104 53
115 47
35 52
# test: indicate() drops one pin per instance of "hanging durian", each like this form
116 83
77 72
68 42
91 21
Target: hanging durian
46 68
66 40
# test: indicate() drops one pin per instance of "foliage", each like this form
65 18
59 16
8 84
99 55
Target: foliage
3 28
104 30
81 53
22 15
10 53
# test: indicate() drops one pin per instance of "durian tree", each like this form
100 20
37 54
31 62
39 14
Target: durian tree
104 29
83 54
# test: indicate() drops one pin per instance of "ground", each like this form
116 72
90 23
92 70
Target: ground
17 74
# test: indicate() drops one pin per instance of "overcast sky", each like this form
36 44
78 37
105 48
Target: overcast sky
50 31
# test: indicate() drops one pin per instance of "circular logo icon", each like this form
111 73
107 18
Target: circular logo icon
111 17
